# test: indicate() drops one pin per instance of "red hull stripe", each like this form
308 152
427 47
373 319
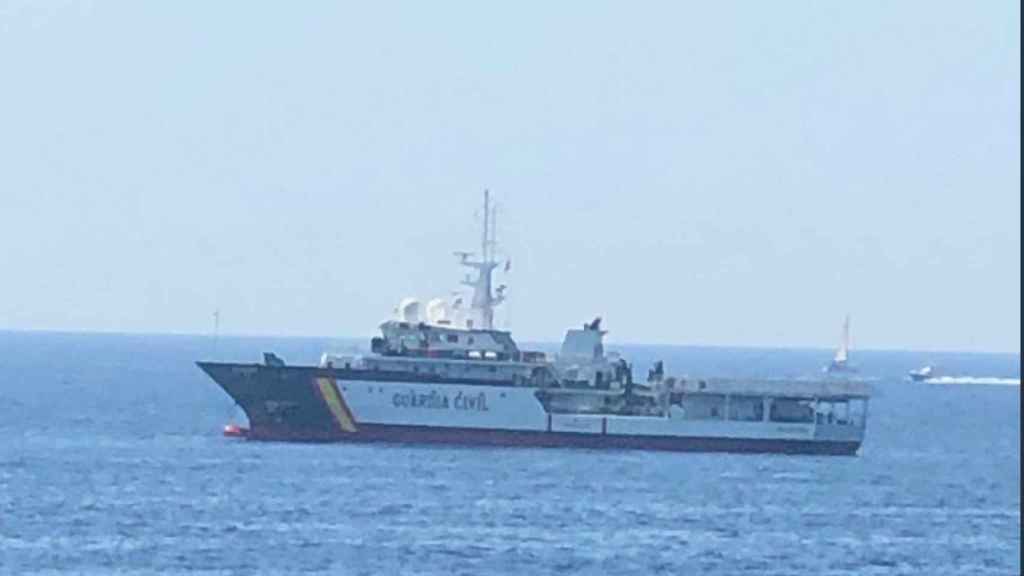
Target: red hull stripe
488 437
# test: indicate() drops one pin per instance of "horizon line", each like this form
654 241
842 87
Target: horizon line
551 342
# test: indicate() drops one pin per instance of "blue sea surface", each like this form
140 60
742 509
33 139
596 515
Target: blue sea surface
112 462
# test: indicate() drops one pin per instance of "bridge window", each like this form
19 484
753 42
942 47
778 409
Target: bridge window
858 411
746 408
704 406
791 410
842 412
452 338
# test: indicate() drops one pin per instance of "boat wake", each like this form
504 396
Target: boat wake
981 380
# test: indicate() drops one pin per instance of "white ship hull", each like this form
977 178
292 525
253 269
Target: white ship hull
503 408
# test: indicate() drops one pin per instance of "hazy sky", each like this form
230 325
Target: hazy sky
734 173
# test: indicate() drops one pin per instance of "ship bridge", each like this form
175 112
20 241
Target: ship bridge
402 338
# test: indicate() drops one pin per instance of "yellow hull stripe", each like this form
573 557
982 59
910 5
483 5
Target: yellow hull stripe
336 404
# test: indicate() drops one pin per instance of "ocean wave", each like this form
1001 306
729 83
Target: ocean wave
992 381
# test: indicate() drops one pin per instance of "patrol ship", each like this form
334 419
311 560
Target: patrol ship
442 373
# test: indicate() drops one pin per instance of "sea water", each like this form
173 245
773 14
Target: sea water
112 462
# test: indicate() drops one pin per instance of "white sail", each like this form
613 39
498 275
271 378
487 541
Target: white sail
844 343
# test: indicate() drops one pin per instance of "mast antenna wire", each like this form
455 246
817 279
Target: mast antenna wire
216 329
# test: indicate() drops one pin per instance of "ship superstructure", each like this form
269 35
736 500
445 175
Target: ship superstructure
443 373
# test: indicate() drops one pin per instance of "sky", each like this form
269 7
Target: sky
696 173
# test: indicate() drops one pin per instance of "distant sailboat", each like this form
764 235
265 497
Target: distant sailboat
840 363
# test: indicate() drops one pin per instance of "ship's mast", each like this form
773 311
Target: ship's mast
484 300
216 328
487 214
